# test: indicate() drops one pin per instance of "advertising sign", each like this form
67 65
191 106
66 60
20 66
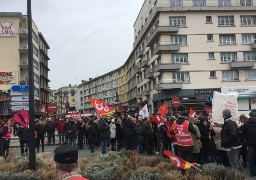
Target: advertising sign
7 29
6 77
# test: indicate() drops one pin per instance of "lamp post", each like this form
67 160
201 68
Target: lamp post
32 153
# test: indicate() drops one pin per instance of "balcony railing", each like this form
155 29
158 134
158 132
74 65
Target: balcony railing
242 64
166 47
149 74
144 63
253 45
168 84
140 54
23 48
137 70
23 64
146 92
23 32
167 67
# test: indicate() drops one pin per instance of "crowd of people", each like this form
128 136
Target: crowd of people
195 139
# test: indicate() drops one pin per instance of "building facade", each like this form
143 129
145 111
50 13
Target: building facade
189 49
14 56
65 98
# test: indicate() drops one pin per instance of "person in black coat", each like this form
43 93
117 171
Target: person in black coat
230 140
140 134
104 133
92 131
50 129
81 132
119 134
208 150
129 130
249 134
40 132
22 133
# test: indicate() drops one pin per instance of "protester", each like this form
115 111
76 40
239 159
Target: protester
66 163
81 128
249 133
40 132
242 119
22 133
148 132
129 129
5 137
50 129
60 129
112 126
140 135
104 133
92 134
230 140
119 134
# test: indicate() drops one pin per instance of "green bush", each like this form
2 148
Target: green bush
140 174
19 176
102 171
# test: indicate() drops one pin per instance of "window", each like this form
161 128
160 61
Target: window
248 38
249 56
228 56
36 78
35 50
180 76
209 37
179 58
246 2
179 21
251 74
247 20
35 64
198 2
227 39
208 19
230 75
224 3
35 37
182 40
36 92
176 3
212 74
226 21
211 55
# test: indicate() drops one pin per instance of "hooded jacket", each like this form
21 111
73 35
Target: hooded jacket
249 131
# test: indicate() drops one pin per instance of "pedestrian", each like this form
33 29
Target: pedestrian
92 130
60 130
148 134
129 130
119 134
81 132
183 129
140 135
230 140
242 119
66 163
40 132
112 126
5 137
50 129
104 133
22 133
72 132
249 131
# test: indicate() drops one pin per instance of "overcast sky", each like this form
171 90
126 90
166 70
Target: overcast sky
87 38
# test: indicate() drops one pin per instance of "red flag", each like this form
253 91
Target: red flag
22 118
71 114
157 119
101 107
163 110
181 163
192 113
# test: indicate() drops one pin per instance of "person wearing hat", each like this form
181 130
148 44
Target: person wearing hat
66 163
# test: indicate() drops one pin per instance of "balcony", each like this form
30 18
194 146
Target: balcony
253 45
44 54
168 84
167 67
139 96
140 54
144 63
23 48
161 30
23 32
242 64
136 70
23 64
166 47
146 92
44 76
149 74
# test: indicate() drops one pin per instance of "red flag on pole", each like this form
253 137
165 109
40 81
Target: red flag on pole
79 116
192 113
22 118
157 119
163 110
179 162
101 107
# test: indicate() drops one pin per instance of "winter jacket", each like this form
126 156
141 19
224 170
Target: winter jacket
50 126
249 132
23 133
229 134
140 132
81 129
129 128
208 144
196 140
104 129
92 132
119 132
112 130
60 126
40 129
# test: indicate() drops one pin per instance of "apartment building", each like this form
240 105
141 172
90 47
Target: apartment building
65 99
14 56
188 49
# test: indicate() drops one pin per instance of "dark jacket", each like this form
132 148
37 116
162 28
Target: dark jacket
249 132
119 132
92 132
50 126
229 134
140 132
40 129
22 133
71 129
148 130
81 129
129 128
104 129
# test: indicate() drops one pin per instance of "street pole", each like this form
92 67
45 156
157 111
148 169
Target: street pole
32 153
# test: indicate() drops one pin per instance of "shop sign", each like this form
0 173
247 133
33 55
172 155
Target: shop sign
205 94
7 30
250 90
6 77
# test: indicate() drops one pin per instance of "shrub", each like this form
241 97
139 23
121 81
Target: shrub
102 171
19 176
141 174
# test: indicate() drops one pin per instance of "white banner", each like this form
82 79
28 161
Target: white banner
144 111
221 102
